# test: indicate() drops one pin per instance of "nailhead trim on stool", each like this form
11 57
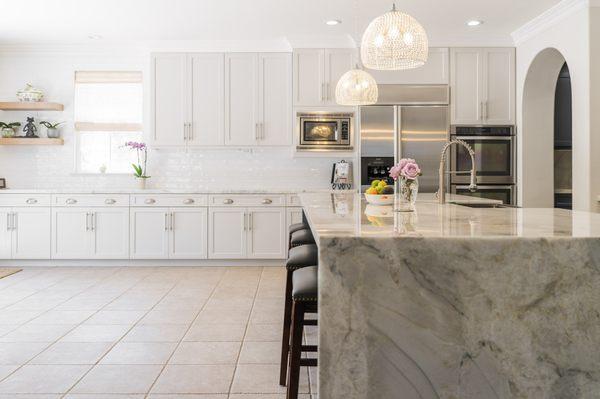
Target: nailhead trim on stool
301 237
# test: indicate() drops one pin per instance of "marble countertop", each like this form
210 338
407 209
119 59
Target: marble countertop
159 191
349 215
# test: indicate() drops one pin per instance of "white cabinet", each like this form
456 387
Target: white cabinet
482 86
294 215
187 99
434 72
163 233
316 74
266 233
241 99
275 98
25 233
90 233
240 233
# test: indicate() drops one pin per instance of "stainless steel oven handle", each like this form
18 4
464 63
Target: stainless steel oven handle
504 138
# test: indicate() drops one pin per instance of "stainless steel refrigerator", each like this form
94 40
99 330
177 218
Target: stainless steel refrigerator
407 122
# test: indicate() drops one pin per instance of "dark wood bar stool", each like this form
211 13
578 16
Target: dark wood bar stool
304 300
301 237
299 257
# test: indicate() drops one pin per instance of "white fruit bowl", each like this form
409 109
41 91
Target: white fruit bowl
380 199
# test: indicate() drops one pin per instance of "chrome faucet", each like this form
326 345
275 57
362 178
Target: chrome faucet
441 194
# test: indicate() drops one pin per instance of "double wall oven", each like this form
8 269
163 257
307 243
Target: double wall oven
495 152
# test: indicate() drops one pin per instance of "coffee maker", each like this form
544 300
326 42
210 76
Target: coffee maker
341 176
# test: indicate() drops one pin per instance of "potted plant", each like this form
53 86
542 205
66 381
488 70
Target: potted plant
8 129
52 129
142 160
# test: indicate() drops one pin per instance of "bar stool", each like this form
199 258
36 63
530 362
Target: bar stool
304 298
299 257
301 237
294 228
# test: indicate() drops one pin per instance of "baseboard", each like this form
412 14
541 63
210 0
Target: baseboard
143 262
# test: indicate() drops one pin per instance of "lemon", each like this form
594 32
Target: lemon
375 183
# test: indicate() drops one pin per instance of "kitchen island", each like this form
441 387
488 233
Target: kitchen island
455 301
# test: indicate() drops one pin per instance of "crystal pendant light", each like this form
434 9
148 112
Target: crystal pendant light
356 87
394 41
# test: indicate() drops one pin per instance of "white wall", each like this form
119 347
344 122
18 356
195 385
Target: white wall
569 33
53 166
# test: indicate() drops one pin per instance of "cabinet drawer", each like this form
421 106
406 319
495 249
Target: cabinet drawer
247 200
25 199
78 200
293 200
187 200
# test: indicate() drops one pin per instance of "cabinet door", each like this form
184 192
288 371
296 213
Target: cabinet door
465 86
110 228
337 63
267 233
227 233
309 77
275 94
188 229
499 86
208 104
71 234
32 233
5 233
241 98
294 215
169 99
149 238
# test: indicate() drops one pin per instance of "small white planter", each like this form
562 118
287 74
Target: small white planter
141 182
53 133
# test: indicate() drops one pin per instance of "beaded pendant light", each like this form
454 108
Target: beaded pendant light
394 41
356 87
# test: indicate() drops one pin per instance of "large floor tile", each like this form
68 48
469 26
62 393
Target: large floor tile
19 352
37 333
263 378
108 317
96 333
42 379
118 379
12 317
72 353
260 353
215 332
220 316
6 370
139 353
171 316
206 353
264 332
62 317
156 333
194 379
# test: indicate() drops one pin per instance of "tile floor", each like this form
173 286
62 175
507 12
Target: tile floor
136 333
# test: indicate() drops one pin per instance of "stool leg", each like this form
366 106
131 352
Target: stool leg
287 320
296 350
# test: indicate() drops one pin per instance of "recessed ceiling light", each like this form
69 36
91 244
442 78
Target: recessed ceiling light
333 22
94 37
474 22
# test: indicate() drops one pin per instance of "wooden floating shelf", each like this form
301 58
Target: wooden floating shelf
30 106
33 141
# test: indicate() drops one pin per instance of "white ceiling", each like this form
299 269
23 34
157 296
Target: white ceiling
72 21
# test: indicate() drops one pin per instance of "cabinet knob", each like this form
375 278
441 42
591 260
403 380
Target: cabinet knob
150 201
109 201
188 201
71 201
267 201
228 201
31 201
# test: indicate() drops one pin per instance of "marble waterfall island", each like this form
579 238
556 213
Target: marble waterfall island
456 302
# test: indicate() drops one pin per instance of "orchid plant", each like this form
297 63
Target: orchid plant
142 158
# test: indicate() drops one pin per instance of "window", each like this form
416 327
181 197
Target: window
108 113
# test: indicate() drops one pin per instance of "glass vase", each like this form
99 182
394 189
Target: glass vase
407 195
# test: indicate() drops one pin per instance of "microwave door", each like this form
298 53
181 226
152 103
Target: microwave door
320 132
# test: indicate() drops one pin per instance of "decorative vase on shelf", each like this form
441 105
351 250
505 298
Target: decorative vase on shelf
53 133
8 132
141 182
407 194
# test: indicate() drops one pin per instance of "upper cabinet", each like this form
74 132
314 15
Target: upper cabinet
482 84
316 73
216 99
435 71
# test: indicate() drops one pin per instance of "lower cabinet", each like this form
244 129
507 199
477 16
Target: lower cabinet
25 233
247 233
168 233
90 233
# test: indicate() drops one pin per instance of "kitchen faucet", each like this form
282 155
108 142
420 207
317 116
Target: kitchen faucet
441 194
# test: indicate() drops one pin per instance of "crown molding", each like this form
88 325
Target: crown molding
550 17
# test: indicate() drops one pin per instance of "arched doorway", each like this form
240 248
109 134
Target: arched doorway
537 130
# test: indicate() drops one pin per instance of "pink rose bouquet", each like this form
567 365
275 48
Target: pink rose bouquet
407 169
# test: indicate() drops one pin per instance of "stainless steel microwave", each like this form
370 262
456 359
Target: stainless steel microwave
325 131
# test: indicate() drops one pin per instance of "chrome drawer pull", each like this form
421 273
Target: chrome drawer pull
188 201
31 201
71 201
228 201
110 201
150 201
267 201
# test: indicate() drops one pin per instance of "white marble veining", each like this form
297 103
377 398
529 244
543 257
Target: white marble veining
159 191
454 302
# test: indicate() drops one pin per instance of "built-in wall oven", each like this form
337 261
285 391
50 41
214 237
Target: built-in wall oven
325 131
495 152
